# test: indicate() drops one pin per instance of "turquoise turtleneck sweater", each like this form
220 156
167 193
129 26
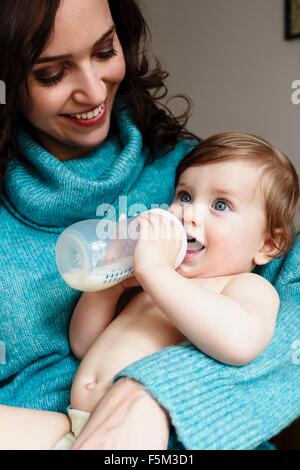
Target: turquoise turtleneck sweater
212 406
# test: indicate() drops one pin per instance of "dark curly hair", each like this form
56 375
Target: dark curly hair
25 29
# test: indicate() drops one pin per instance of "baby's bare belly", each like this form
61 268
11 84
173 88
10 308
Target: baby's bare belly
143 317
139 330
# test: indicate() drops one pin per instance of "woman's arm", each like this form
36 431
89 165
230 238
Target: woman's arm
126 418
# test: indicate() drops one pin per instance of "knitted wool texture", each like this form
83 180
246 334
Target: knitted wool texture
212 406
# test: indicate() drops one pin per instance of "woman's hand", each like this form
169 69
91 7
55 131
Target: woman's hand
126 418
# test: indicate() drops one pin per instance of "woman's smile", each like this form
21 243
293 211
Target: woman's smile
90 118
74 82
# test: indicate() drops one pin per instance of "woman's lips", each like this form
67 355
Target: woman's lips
88 122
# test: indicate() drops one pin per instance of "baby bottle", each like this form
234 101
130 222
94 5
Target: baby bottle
94 255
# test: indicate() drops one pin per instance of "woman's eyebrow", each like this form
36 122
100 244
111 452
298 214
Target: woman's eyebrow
43 60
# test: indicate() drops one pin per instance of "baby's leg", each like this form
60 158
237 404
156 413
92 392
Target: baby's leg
26 429
88 386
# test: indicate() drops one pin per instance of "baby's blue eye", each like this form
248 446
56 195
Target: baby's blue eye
184 197
221 205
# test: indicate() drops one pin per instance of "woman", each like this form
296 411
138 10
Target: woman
81 129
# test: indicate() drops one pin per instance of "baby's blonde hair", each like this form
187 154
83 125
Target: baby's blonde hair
279 179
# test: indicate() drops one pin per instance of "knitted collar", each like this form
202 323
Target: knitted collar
46 192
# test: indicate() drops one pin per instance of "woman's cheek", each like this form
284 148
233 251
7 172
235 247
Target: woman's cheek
120 64
118 71
49 102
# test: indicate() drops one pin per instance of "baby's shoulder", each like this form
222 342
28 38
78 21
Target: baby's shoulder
247 280
251 285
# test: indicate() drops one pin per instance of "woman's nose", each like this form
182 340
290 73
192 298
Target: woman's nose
91 88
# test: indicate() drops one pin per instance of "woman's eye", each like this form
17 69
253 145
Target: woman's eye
221 205
106 54
49 81
184 197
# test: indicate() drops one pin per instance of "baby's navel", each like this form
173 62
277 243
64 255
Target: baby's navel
91 386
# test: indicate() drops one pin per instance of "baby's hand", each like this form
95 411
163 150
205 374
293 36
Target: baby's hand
131 282
158 245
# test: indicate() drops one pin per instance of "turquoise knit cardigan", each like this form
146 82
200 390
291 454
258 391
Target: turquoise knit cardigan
212 406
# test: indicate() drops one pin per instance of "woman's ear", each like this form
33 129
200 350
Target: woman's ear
270 248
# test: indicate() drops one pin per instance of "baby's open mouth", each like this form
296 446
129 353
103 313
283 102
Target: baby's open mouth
194 245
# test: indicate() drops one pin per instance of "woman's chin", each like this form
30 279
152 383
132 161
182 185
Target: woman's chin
90 141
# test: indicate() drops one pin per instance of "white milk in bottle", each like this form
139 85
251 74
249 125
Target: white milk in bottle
94 255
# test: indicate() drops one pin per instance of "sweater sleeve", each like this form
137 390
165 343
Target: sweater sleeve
216 406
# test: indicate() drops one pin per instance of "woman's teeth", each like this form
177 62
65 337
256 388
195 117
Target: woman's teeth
90 115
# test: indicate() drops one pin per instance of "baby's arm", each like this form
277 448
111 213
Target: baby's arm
233 327
93 313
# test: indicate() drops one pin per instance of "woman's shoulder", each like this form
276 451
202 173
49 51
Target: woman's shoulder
290 271
11 228
177 153
184 146
2 217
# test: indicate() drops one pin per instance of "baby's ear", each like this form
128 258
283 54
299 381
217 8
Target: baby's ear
270 248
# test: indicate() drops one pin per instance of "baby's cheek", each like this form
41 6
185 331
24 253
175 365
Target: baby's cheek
175 210
230 244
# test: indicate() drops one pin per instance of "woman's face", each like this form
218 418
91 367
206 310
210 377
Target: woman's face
74 82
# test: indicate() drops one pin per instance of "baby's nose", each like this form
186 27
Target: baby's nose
194 222
194 215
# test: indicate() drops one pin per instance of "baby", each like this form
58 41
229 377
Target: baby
236 196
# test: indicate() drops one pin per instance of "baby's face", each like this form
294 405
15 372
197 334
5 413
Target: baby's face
222 207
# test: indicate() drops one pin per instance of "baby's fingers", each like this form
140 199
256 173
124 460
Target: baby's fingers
131 282
145 227
122 217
